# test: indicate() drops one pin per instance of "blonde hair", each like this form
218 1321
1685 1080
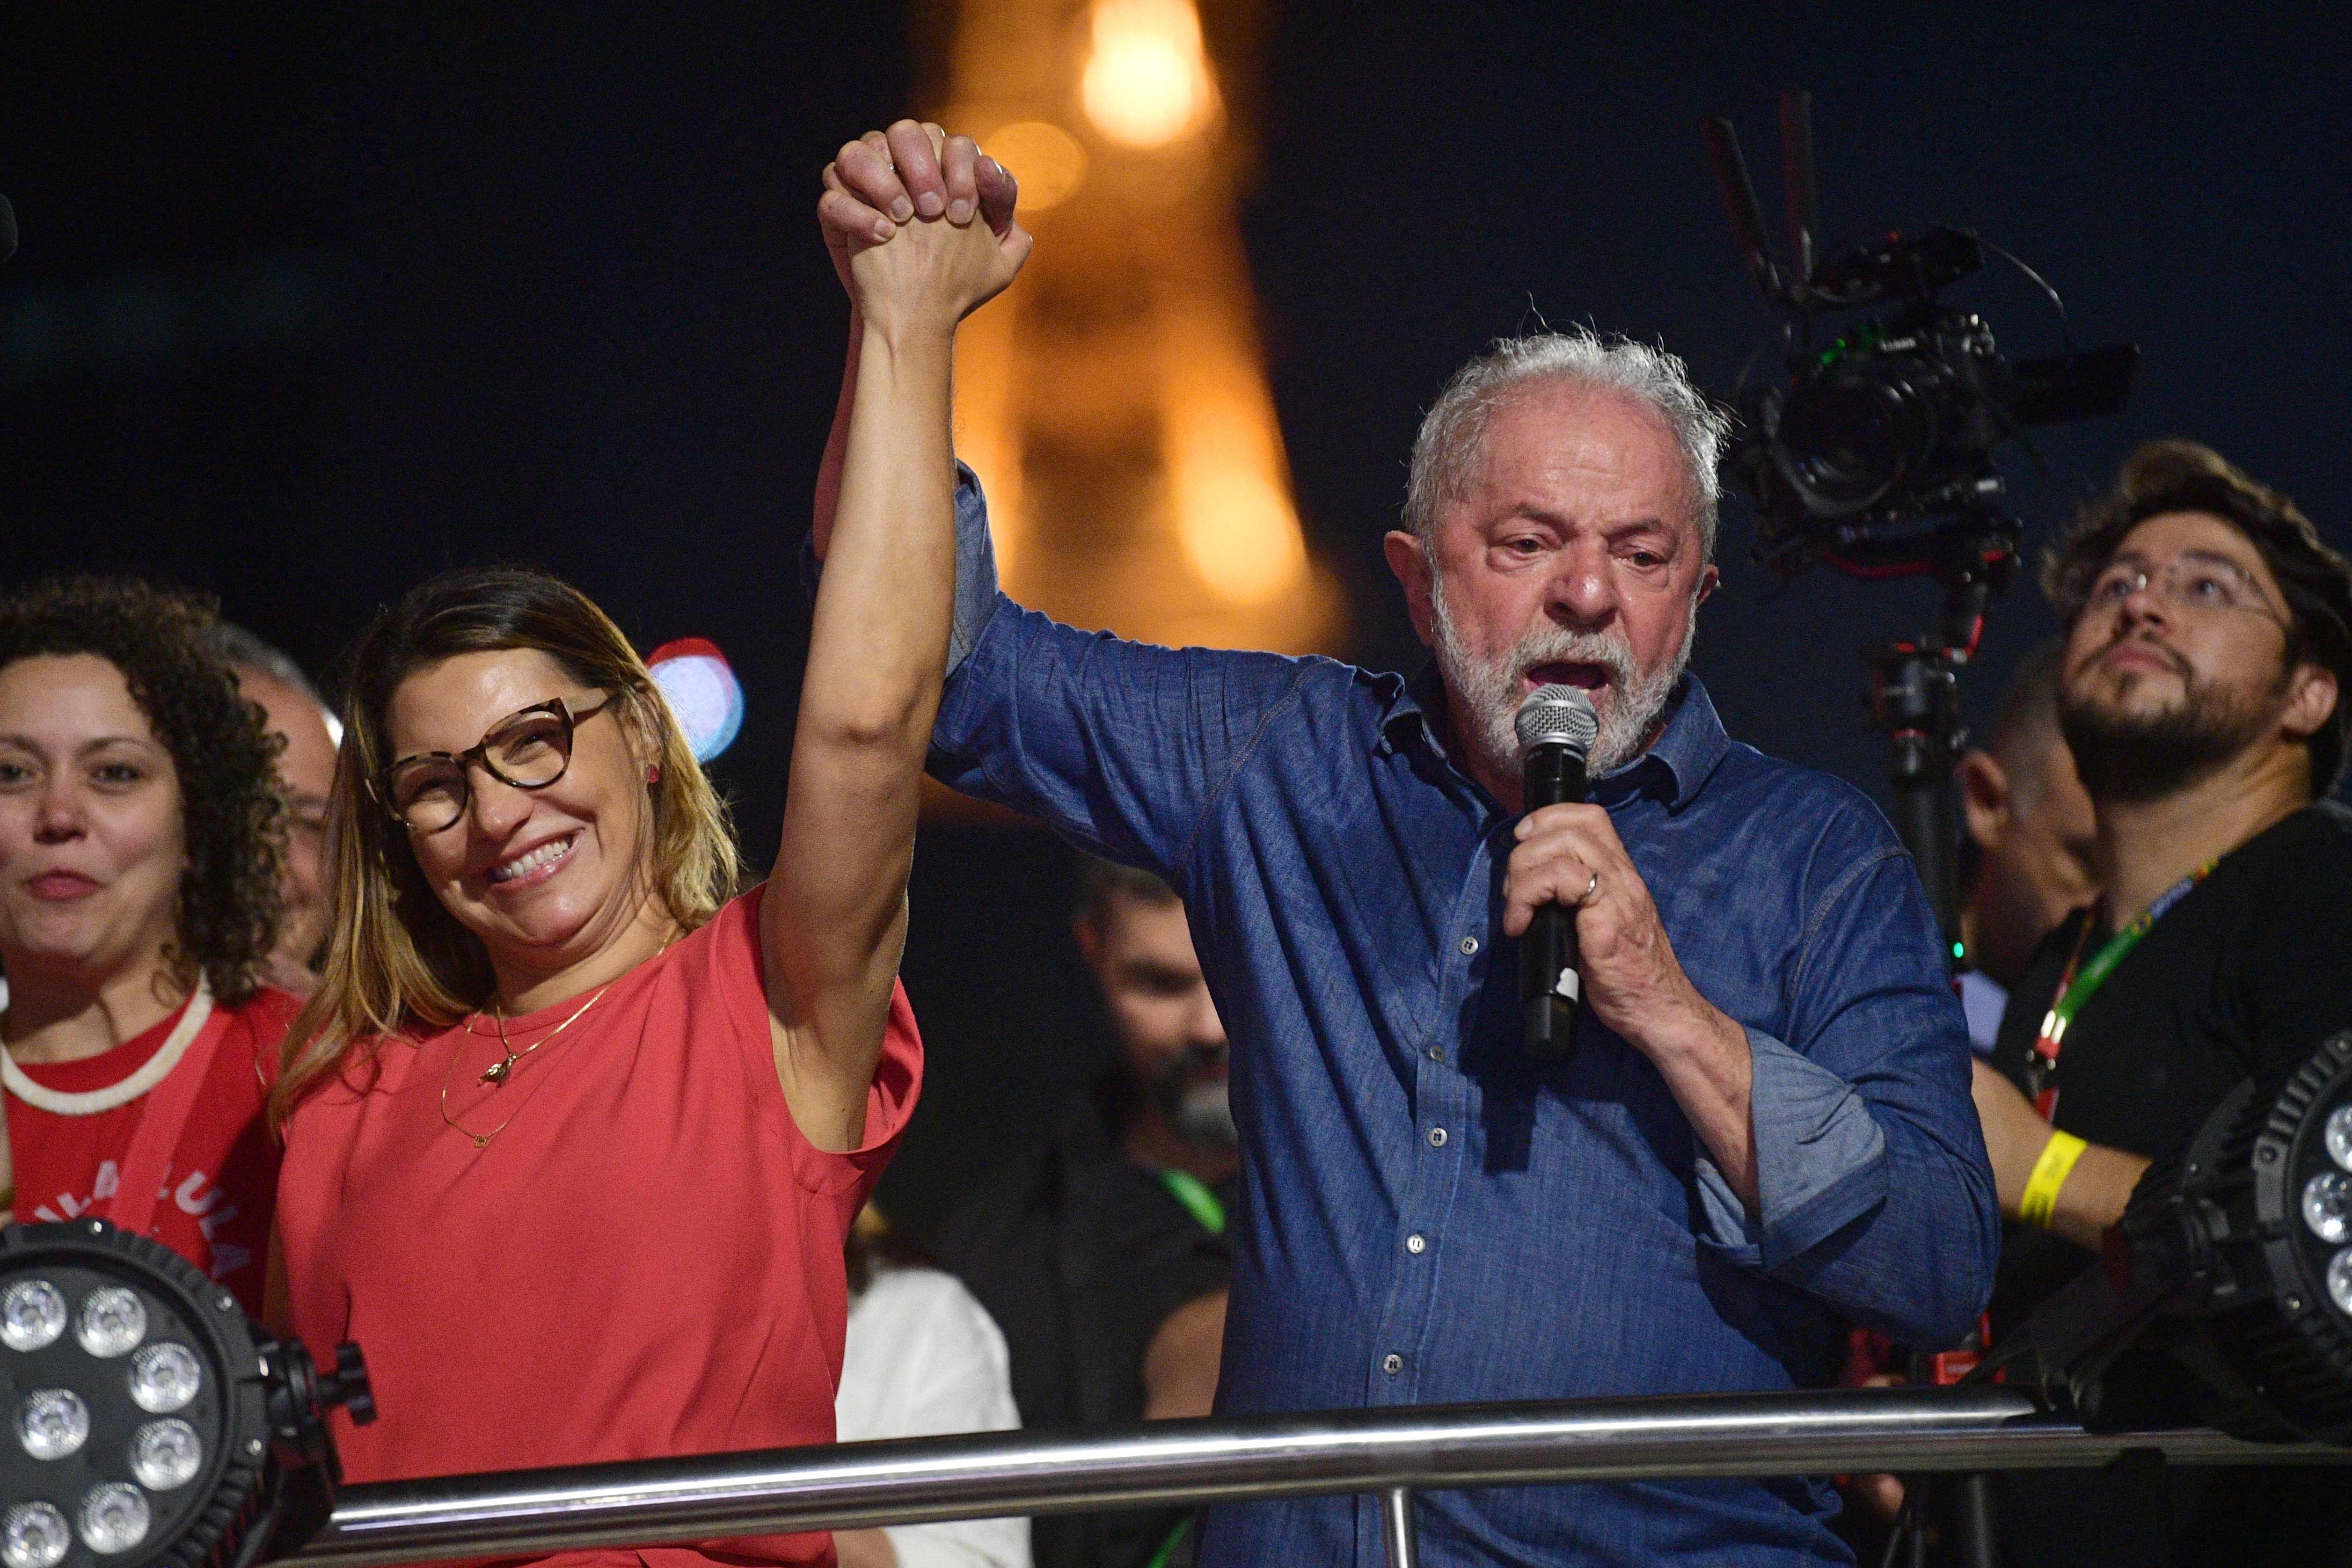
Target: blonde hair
397 961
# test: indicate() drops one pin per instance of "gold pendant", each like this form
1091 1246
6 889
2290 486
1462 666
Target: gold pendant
479 1142
495 1074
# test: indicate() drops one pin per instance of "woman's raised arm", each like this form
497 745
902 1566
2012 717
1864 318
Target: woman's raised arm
833 920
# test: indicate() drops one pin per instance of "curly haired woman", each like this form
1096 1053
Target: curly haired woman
140 827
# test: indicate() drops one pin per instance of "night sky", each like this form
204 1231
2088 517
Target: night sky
315 302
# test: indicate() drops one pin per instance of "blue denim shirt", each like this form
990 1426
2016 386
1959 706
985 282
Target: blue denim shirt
1426 1215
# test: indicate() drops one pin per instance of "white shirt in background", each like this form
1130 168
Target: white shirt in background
923 1358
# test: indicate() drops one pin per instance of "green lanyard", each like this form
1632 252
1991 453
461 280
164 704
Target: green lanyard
1166 1551
1203 1206
2074 989
1198 1200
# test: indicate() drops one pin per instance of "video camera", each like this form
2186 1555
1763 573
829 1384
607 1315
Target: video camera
1875 455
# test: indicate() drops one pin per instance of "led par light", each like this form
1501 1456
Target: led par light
148 1422
2234 1261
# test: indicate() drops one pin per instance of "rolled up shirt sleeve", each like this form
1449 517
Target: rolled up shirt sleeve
1821 1161
975 579
1875 1195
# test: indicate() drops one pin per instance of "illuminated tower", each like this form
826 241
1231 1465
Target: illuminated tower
1115 402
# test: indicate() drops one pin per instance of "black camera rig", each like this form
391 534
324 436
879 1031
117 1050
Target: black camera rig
1874 454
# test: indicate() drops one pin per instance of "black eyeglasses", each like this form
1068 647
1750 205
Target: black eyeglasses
529 749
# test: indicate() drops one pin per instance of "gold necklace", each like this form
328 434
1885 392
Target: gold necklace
496 1074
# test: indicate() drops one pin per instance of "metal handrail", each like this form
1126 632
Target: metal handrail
1394 1452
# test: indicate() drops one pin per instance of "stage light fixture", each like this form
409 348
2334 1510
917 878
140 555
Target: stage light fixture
150 1424
2232 1266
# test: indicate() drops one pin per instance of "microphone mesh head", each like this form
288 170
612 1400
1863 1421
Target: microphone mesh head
1558 716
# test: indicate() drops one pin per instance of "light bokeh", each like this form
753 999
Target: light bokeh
1147 81
701 689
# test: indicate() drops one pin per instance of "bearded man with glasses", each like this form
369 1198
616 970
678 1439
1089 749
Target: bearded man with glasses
2208 655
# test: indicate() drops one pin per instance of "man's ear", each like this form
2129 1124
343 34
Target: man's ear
1409 560
1708 580
1984 798
2312 696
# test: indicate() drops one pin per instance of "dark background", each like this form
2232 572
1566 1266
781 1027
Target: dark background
316 301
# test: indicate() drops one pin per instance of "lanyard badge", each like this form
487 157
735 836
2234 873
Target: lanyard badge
2079 981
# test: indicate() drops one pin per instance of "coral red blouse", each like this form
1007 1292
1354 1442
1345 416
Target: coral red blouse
645 1262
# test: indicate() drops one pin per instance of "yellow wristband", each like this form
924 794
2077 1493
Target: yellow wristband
2050 1173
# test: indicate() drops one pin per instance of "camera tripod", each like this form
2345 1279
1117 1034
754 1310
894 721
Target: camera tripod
1915 699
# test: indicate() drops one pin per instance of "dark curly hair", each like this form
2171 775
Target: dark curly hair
230 813
2182 476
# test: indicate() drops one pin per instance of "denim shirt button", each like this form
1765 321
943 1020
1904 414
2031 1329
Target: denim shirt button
1469 945
1416 1244
1437 1137
1392 1364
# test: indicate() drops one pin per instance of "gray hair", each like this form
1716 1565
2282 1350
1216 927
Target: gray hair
241 649
1447 445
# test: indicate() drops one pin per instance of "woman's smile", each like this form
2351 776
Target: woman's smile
535 865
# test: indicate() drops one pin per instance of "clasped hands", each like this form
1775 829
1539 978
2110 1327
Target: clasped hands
897 215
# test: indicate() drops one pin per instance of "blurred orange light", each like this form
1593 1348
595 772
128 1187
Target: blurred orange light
1147 83
1115 402
1234 516
1239 532
1045 158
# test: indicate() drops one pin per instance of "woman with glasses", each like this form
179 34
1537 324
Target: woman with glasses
573 1132
140 834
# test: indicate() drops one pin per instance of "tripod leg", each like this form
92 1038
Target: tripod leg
1974 1544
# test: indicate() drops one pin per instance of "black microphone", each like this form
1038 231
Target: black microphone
1557 728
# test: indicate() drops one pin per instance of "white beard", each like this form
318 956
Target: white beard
1490 690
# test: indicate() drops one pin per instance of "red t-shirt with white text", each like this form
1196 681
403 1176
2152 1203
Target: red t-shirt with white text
221 1186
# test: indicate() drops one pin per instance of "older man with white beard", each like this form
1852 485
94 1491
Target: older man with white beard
1763 1133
